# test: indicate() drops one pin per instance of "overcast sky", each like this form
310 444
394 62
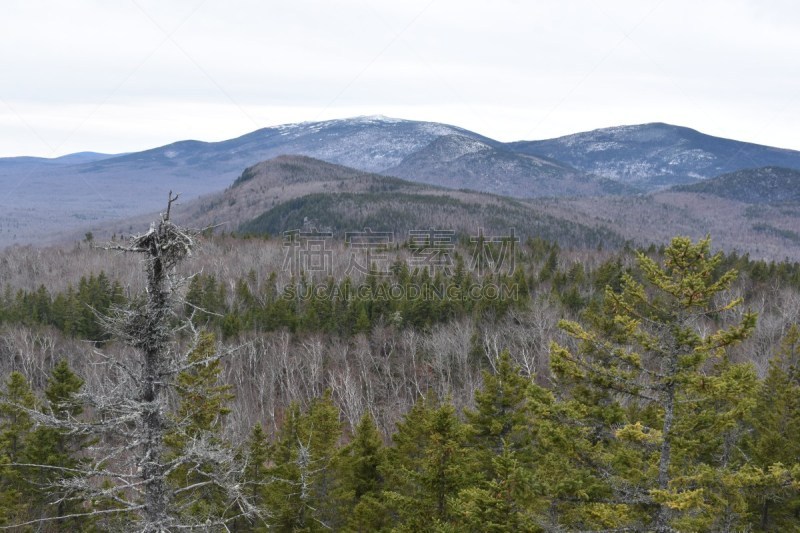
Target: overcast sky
127 75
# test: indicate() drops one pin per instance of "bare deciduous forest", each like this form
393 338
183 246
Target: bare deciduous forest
479 384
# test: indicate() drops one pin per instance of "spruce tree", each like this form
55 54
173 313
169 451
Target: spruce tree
501 503
58 450
360 467
646 349
255 479
299 495
775 443
428 466
15 428
199 423
502 419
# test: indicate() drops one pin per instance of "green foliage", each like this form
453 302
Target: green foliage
255 480
500 504
75 313
57 451
645 348
15 430
503 415
360 479
775 441
300 495
429 465
645 424
196 436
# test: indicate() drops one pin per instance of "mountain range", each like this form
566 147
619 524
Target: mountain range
656 156
621 161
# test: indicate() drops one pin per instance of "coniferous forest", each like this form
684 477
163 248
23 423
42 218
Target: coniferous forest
181 381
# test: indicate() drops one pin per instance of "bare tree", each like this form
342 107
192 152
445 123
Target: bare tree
127 471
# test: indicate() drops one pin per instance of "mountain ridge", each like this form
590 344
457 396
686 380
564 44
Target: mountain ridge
763 185
124 185
657 155
290 192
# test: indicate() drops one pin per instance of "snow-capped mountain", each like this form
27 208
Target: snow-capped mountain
94 187
655 156
372 144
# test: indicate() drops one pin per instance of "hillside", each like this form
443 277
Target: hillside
136 183
93 189
656 156
766 185
763 231
290 192
457 161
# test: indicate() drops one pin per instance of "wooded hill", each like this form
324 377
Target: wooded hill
292 192
621 161
608 390
289 192
765 185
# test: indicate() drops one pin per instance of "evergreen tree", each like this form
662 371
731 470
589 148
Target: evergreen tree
502 418
15 429
360 467
58 450
647 349
198 423
428 465
775 443
300 494
499 504
255 478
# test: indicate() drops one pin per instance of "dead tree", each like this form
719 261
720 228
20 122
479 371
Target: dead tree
164 246
128 470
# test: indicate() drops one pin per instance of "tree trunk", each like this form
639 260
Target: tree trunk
663 514
154 340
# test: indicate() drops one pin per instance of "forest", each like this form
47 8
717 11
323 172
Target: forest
187 381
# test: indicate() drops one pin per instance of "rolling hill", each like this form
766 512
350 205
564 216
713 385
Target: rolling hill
134 183
292 192
766 185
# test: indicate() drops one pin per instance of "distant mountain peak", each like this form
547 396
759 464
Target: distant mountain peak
656 155
617 160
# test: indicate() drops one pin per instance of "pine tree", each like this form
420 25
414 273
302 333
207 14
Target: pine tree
58 450
15 429
198 422
360 467
646 349
775 443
